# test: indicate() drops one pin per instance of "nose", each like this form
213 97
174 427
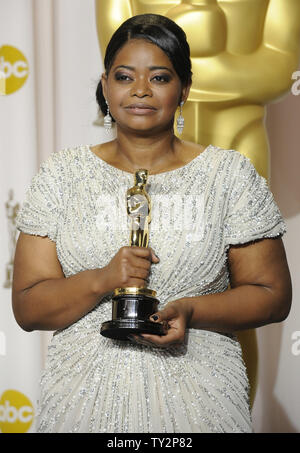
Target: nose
141 88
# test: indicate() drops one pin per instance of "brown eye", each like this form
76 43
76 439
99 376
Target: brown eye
161 78
122 77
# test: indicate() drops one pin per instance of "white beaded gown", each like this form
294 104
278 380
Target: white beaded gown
94 384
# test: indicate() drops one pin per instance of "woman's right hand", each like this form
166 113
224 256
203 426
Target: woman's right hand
129 267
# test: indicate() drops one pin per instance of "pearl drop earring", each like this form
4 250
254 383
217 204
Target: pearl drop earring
107 120
180 120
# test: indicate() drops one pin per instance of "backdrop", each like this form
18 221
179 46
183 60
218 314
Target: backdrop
50 64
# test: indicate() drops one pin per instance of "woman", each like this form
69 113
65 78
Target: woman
73 252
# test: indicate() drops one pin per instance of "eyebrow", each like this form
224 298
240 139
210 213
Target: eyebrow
152 68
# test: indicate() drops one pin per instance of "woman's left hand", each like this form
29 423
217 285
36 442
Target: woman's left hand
175 319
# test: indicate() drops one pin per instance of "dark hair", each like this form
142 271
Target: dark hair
159 30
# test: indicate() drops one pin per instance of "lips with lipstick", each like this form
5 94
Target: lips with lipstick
140 108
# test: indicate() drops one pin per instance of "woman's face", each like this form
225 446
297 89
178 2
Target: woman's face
142 88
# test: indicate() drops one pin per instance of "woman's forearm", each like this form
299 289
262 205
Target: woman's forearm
57 303
243 307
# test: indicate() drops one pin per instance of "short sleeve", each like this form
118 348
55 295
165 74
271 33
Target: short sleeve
41 211
252 212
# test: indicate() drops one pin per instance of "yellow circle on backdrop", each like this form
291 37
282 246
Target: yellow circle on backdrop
14 70
16 412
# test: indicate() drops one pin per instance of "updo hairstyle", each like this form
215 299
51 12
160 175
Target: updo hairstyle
157 29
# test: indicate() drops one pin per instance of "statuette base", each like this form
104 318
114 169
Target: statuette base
121 328
131 310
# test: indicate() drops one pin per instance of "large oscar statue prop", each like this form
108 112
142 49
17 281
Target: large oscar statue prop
132 306
243 58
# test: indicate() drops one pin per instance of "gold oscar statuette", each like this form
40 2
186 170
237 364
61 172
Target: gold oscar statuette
132 306
12 209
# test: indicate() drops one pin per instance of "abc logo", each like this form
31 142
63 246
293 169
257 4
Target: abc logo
13 70
16 412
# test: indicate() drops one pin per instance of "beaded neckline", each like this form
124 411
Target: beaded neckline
88 148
